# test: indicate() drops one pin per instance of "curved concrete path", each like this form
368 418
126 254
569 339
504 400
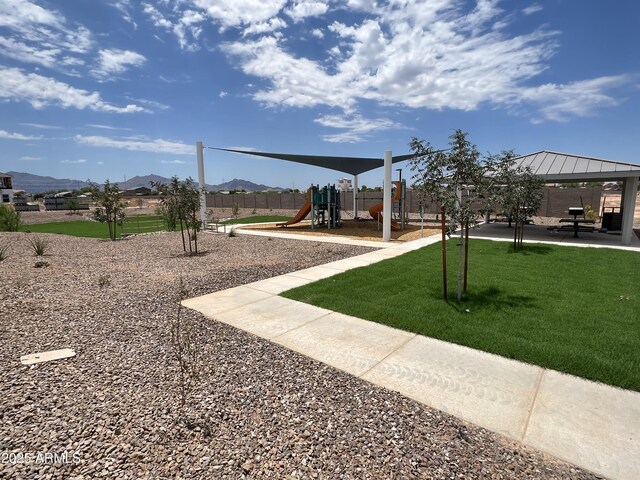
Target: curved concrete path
594 426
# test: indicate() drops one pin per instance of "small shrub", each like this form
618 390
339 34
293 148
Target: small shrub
104 281
38 245
4 252
235 210
73 205
185 346
233 233
10 219
590 213
254 212
41 264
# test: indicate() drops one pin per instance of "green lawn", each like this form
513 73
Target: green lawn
86 228
257 219
576 310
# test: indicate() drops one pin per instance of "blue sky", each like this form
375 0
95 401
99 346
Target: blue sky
118 88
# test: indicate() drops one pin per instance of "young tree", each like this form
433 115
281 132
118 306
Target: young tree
453 180
110 206
517 190
181 201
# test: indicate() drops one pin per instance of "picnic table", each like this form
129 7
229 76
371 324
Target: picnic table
577 223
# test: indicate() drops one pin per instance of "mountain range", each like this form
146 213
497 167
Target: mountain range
37 184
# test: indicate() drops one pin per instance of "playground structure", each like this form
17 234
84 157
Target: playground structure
324 206
304 211
399 196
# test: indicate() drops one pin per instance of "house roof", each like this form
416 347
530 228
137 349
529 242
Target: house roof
554 166
352 165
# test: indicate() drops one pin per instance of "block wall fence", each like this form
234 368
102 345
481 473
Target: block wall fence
555 203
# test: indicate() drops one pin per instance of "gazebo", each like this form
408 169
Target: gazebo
557 167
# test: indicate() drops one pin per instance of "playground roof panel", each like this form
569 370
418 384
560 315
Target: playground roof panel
553 166
351 165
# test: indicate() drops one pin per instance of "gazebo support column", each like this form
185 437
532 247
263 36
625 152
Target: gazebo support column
386 198
629 193
355 196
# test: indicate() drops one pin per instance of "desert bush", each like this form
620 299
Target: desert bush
38 245
185 346
73 205
233 233
4 252
235 210
10 219
41 264
590 213
104 281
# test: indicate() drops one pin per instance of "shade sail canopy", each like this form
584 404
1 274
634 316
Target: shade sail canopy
351 165
558 167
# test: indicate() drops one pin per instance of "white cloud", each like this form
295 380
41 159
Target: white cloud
21 14
302 9
357 128
137 144
17 136
42 126
532 9
41 92
151 103
240 12
106 127
74 162
99 163
112 62
173 162
124 7
186 19
422 54
223 94
30 159
185 25
296 82
436 55
272 25
41 36
582 98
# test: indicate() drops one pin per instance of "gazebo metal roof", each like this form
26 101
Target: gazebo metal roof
554 166
351 165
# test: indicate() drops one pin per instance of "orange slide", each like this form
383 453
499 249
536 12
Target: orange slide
304 211
376 210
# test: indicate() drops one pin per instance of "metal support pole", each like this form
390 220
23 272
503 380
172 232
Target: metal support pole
386 198
201 183
355 196
628 204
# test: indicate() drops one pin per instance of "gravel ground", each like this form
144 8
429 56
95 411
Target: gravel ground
259 410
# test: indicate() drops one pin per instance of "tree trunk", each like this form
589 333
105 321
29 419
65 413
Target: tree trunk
466 256
460 261
444 254
184 245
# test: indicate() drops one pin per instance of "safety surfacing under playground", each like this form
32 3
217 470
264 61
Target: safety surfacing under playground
356 229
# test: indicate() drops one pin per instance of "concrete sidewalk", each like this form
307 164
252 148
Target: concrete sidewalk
591 425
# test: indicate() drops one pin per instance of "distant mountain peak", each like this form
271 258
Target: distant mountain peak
31 183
